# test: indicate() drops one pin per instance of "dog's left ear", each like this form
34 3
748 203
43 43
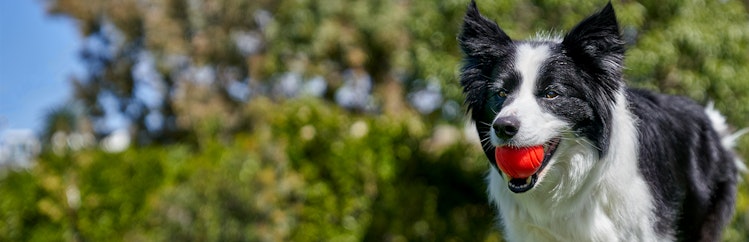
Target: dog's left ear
480 37
596 39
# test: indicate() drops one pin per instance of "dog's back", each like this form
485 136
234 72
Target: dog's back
691 174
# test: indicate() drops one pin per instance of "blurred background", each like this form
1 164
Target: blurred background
292 120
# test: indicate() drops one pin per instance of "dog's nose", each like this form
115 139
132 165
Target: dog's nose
506 127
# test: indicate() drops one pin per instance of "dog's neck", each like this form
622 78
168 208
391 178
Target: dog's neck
582 196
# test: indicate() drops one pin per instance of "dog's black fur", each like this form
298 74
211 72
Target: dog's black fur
692 176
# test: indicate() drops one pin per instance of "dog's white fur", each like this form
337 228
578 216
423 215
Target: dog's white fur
583 209
591 198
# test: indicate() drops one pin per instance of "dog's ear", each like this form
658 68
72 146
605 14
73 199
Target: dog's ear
483 43
481 37
596 39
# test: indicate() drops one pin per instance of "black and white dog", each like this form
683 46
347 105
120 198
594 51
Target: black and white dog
619 164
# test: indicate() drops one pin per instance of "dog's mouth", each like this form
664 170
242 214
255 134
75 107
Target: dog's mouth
524 182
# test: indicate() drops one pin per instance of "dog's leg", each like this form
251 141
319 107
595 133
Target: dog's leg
720 211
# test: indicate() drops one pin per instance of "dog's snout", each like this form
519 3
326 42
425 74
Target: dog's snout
506 127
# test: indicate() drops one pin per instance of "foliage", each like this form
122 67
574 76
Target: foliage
298 120
303 172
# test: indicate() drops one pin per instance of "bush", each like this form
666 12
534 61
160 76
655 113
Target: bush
304 170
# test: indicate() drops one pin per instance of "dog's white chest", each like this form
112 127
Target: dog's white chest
594 216
588 225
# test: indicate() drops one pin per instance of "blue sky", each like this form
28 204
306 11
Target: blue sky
38 54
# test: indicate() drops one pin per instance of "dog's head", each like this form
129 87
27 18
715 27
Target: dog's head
541 92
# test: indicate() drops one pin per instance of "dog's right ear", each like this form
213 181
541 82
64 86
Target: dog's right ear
597 40
481 37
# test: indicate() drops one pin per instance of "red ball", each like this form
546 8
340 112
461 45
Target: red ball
519 162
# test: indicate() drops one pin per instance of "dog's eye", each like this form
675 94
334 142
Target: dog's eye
550 94
502 93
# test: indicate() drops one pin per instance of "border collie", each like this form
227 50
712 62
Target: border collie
619 164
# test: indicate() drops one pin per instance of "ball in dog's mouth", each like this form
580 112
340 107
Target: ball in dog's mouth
521 165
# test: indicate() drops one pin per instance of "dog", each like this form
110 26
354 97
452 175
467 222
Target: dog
619 164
